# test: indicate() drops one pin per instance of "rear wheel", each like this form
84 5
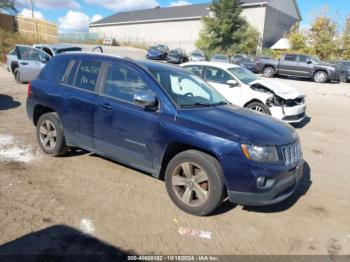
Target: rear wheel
194 182
50 135
320 77
17 76
258 107
268 71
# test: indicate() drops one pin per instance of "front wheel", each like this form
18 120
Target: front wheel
50 135
258 107
194 182
320 77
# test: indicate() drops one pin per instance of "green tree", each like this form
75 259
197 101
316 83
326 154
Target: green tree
297 40
8 6
322 37
346 40
225 30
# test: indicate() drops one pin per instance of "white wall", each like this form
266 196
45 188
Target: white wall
174 34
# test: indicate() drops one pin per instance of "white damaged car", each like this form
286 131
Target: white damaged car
243 88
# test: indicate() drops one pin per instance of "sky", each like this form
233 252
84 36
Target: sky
75 15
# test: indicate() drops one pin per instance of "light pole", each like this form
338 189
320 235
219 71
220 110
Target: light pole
34 20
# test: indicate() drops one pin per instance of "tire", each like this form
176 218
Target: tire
52 143
258 107
17 76
320 77
268 71
206 178
343 78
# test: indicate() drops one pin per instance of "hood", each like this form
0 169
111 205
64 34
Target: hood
324 64
280 89
240 125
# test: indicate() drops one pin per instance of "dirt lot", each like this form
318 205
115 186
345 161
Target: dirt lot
131 211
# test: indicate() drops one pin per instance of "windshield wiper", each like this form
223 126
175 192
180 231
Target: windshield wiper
197 104
222 103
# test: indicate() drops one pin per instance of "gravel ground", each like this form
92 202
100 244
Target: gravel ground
46 203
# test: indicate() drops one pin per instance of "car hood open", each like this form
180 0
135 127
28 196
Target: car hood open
282 90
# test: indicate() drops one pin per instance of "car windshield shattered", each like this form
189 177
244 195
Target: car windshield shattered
187 90
243 75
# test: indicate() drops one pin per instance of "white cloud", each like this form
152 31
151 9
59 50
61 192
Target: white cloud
179 3
96 18
75 21
123 5
50 4
28 13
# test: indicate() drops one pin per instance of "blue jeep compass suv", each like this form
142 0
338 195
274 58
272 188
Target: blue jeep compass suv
166 122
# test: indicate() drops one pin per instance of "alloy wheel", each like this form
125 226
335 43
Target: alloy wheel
48 134
190 184
320 77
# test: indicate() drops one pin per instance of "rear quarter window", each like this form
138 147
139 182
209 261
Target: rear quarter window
54 70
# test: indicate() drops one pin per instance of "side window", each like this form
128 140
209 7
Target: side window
303 59
197 70
33 54
213 74
86 77
290 58
123 82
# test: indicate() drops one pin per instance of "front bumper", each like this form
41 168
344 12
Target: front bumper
295 114
154 57
285 185
334 76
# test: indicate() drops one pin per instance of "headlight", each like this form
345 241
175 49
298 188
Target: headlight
260 153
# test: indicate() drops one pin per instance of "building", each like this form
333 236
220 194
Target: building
180 26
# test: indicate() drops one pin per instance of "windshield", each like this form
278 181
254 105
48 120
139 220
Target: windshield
185 89
247 60
199 54
221 57
244 75
346 63
156 48
71 49
316 59
175 53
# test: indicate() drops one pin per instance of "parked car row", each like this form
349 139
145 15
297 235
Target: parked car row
169 122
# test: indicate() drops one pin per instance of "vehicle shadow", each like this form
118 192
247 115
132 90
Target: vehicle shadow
60 243
302 124
304 186
7 102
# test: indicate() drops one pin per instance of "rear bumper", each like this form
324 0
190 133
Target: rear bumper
282 190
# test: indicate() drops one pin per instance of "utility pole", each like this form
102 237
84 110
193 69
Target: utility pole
34 20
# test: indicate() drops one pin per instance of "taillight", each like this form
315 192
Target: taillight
29 89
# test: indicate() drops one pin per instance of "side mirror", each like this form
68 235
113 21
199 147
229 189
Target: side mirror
309 62
232 83
145 98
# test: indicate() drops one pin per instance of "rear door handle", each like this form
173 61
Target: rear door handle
24 63
106 107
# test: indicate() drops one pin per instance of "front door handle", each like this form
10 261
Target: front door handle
106 107
24 63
